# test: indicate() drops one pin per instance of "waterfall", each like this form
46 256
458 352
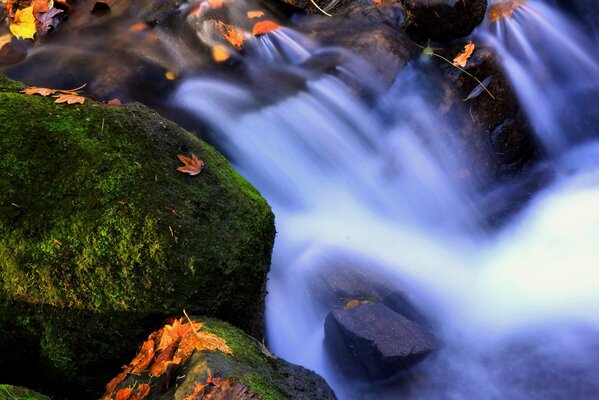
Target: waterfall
372 194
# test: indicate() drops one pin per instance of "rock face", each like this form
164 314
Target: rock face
373 342
99 232
443 20
242 369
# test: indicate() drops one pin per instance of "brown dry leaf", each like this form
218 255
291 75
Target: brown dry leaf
462 59
220 53
198 390
170 75
255 14
40 6
163 360
38 90
114 102
5 39
263 27
143 359
123 394
142 391
193 165
229 389
504 9
70 98
117 380
234 37
354 303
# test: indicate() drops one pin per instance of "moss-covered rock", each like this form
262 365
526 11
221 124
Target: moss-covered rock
100 232
250 370
9 392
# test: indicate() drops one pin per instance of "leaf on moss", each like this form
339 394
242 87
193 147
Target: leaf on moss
30 91
193 165
462 59
263 27
23 25
70 98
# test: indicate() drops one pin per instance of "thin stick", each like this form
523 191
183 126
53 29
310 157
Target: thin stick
320 9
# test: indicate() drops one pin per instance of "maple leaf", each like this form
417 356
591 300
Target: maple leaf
193 165
143 359
255 14
263 27
70 98
23 25
462 59
38 90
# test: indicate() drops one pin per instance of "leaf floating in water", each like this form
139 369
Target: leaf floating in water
504 9
255 14
461 59
264 27
479 88
23 25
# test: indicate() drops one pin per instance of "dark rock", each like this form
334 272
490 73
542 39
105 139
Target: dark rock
372 342
251 369
401 304
443 20
497 131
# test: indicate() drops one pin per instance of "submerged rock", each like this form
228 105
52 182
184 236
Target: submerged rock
99 232
372 342
443 20
240 368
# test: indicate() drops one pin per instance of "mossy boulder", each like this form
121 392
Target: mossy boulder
9 392
101 233
246 371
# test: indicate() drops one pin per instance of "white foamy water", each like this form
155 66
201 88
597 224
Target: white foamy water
372 195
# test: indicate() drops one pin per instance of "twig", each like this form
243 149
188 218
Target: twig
320 9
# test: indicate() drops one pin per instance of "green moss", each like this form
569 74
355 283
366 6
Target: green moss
8 392
94 217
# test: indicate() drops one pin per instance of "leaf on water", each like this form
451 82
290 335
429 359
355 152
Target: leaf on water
504 9
220 53
30 91
263 27
193 165
479 88
23 25
70 98
255 14
462 59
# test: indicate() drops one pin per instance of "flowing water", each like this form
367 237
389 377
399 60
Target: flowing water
370 198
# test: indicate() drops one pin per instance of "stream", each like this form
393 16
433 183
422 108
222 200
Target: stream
365 184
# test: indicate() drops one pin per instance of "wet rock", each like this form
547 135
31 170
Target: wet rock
507 144
401 304
248 372
443 20
372 342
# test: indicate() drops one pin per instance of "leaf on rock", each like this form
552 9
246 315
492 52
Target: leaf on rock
264 27
23 25
143 359
351 304
124 394
115 382
38 90
47 21
479 88
142 391
41 6
255 14
193 165
462 59
70 98
504 9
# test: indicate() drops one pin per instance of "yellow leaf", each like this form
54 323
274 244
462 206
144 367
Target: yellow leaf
23 26
220 53
70 99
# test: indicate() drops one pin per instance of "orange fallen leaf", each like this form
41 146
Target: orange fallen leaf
114 102
461 59
38 90
116 381
216 3
170 75
124 394
255 14
143 359
354 303
193 165
142 391
233 37
138 27
264 27
504 9
70 98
